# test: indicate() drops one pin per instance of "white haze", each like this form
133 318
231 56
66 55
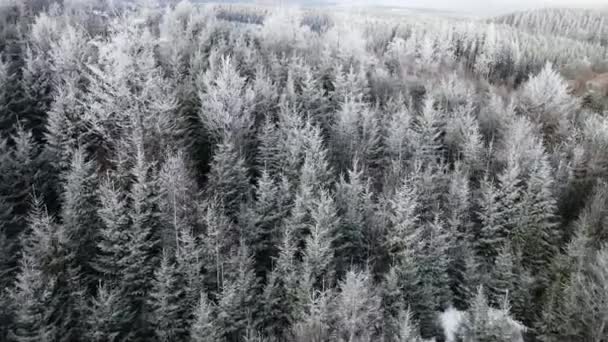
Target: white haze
480 7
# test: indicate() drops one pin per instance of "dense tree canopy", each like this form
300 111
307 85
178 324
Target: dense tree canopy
172 171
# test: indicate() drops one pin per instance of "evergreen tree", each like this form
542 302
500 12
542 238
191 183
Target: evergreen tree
203 328
165 303
357 308
314 325
263 222
489 236
403 231
178 199
106 316
429 132
408 330
33 303
236 299
80 222
502 279
228 178
142 242
356 208
539 221
282 304
318 254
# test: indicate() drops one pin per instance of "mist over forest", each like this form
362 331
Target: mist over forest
261 172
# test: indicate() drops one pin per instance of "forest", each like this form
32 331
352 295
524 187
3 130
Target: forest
173 171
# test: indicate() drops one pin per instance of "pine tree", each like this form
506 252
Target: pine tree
357 307
429 132
165 303
226 102
76 236
458 225
142 241
489 236
408 329
217 242
356 208
113 235
318 254
33 303
539 221
502 279
314 326
203 328
392 304
178 199
228 178
282 304
80 222
106 316
235 302
189 263
21 171
403 231
263 222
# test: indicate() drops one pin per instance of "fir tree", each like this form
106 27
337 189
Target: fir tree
282 305
33 319
228 178
318 254
357 308
165 303
236 299
203 328
106 316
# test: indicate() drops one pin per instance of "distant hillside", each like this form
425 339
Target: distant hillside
587 25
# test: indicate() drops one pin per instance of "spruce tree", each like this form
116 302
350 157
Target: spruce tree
165 303
106 316
228 178
178 199
282 305
33 320
357 307
318 254
356 208
203 328
80 222
236 299
141 243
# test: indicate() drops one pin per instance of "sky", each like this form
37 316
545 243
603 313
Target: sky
482 7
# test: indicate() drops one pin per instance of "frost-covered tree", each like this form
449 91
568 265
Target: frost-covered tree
203 328
226 102
228 178
235 302
106 315
356 208
178 200
33 302
282 303
314 323
166 303
318 254
546 100
357 307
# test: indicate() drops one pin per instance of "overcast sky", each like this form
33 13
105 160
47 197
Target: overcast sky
482 6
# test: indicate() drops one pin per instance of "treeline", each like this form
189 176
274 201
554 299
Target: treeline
190 173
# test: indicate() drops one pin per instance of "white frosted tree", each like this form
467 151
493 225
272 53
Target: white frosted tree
357 308
546 100
226 102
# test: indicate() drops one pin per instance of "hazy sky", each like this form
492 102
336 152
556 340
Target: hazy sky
483 6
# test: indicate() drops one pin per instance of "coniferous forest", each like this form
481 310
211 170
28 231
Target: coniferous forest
173 171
